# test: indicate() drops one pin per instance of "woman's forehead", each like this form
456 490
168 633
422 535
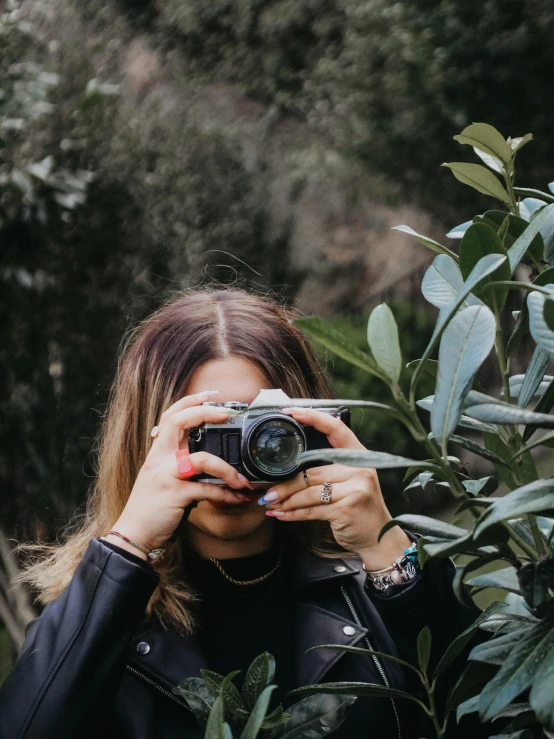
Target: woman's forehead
236 378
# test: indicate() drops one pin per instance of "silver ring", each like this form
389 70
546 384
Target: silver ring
306 478
155 432
326 492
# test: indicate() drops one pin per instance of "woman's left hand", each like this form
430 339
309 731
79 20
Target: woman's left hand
356 511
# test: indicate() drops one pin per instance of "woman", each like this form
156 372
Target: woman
251 570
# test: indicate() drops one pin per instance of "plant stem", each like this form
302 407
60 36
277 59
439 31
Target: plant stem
521 543
537 535
510 187
429 689
502 363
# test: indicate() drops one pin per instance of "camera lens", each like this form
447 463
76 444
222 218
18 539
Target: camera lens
274 443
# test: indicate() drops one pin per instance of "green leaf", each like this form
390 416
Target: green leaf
518 143
483 486
547 440
424 641
543 406
536 370
424 525
219 685
538 327
478 241
460 642
487 139
443 282
479 450
505 579
521 330
276 718
382 337
532 192
540 696
535 580
484 267
506 413
214 727
260 674
465 421
370 652
355 688
523 734
479 178
321 331
543 223
361 458
426 241
491 162
516 382
471 705
257 716
519 671
458 231
199 699
496 650
516 226
314 717
465 344
536 497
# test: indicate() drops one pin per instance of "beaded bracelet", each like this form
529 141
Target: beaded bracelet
403 568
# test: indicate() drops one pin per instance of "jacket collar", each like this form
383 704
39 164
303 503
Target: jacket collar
171 657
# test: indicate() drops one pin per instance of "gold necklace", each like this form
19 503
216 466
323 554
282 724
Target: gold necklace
256 580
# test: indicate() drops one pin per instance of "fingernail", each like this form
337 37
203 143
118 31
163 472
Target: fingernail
245 481
269 497
207 392
274 514
292 410
240 496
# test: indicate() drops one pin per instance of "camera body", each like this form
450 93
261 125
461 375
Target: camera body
260 441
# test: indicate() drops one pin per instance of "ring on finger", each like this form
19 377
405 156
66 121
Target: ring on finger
326 492
306 478
155 432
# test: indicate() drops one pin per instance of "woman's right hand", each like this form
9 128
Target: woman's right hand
160 495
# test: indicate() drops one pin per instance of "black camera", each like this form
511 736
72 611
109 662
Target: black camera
259 440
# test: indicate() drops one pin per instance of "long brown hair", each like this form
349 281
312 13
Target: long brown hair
157 362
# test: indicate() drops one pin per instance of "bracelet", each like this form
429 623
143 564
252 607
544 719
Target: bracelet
152 554
403 568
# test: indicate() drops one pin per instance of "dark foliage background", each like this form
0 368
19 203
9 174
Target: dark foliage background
149 146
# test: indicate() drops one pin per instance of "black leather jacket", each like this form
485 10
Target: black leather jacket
81 675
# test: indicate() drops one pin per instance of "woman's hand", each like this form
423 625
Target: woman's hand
160 495
357 511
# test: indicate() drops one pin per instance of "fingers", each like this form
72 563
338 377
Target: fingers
316 476
312 496
174 426
337 432
217 467
188 401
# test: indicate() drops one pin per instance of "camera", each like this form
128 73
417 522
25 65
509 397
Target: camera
260 441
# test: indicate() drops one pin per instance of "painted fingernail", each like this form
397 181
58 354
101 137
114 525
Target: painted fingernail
269 497
205 393
245 481
240 496
274 514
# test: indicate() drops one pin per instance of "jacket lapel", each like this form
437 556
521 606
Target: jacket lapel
316 626
165 656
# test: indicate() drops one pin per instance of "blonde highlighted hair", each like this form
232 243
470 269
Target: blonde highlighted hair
158 360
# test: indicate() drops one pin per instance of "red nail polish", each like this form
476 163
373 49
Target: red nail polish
275 514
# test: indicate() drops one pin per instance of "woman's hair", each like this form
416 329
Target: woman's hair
158 360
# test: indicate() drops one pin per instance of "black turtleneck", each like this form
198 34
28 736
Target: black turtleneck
236 623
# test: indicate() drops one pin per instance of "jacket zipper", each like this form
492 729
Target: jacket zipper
374 657
159 687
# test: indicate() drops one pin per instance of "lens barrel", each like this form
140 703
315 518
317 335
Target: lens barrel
271 445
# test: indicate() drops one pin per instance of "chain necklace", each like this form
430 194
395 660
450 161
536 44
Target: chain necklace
256 580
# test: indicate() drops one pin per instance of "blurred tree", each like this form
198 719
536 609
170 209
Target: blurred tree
378 78
102 213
